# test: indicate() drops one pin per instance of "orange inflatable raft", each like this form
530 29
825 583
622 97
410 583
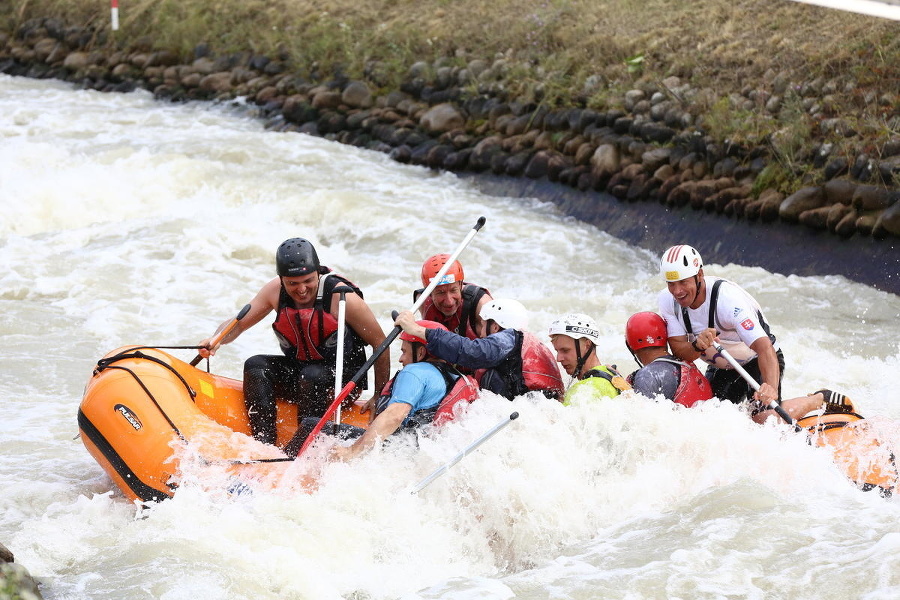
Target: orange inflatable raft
862 448
143 408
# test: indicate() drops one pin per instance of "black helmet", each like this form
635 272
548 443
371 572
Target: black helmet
296 257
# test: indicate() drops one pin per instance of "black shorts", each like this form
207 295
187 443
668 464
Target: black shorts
728 384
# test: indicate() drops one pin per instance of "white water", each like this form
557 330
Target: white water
127 221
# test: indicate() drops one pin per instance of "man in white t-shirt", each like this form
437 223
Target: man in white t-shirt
700 310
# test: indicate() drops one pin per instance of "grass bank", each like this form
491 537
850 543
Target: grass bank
717 43
561 52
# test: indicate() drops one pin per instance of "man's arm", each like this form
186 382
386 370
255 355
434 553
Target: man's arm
482 353
265 301
384 425
768 368
682 348
691 351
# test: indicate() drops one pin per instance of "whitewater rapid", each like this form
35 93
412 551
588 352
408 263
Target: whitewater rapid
127 221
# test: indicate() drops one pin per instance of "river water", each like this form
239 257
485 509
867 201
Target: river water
126 221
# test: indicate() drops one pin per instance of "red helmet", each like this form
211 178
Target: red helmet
434 264
645 330
427 325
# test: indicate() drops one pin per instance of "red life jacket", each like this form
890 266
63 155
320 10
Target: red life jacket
693 386
463 321
463 388
310 334
529 367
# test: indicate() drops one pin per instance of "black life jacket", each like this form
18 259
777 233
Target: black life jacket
529 367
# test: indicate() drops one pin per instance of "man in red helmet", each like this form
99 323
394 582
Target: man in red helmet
306 306
660 372
425 390
453 303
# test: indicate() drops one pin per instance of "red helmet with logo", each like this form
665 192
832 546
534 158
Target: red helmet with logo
431 267
645 330
406 337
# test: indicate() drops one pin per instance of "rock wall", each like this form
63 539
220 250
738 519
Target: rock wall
646 152
776 246
16 582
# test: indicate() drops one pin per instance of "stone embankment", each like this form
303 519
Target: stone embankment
648 148
15 581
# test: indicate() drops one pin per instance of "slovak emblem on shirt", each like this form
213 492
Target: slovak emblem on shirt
747 324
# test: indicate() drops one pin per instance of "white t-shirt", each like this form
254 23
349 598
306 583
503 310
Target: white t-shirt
739 321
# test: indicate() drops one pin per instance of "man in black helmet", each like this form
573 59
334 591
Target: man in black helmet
305 324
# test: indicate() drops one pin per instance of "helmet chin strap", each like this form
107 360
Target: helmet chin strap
697 289
487 326
579 359
635 356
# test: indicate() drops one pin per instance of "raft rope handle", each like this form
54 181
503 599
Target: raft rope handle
820 427
101 364
253 461
150 395
104 363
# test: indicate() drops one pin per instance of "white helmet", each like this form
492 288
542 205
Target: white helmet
507 313
680 262
576 326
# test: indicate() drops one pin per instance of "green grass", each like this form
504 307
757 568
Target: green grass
551 47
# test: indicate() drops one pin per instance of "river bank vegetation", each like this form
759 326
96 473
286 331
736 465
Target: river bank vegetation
579 51
762 98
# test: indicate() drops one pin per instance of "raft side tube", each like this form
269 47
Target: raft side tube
858 450
132 413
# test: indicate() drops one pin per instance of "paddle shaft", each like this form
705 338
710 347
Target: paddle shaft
753 383
339 361
446 467
354 381
217 339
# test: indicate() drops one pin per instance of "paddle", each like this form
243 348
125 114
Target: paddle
351 385
339 362
446 467
749 379
217 339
